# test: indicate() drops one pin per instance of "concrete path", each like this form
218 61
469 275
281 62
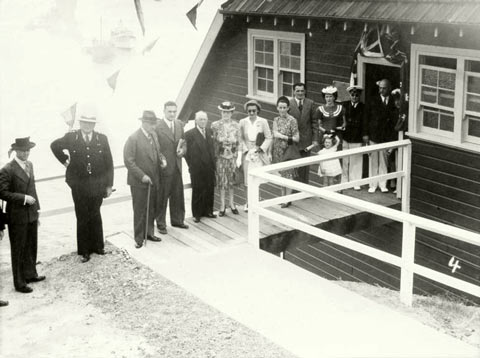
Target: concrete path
306 314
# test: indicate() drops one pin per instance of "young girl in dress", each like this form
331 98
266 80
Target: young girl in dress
330 169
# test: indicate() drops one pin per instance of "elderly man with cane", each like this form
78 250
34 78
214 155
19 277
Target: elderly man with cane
143 160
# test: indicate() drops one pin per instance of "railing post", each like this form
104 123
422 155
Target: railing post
399 161
408 257
253 216
407 169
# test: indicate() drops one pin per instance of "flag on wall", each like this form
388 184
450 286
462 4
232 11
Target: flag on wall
192 14
69 115
379 42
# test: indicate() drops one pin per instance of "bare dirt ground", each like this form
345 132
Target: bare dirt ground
114 306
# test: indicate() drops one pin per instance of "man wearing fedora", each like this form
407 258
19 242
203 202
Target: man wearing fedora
90 176
17 188
171 138
143 160
356 124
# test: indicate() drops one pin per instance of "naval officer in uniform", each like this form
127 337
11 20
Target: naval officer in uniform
87 157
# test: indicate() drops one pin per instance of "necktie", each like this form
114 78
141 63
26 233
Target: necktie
87 139
203 132
300 105
172 127
27 169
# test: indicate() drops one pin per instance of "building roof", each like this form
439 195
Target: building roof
454 12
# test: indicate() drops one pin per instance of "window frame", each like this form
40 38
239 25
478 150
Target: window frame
276 37
459 138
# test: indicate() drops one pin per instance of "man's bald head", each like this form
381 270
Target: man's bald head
384 87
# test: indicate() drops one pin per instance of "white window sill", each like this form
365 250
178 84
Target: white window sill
263 99
470 147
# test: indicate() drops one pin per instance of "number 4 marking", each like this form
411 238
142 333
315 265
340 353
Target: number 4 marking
454 264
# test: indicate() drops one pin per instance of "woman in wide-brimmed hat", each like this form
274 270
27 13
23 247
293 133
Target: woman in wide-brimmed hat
330 116
226 135
255 137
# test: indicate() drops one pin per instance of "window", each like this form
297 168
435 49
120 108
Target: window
445 96
276 62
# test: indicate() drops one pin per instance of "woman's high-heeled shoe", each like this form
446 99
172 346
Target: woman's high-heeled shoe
234 210
222 212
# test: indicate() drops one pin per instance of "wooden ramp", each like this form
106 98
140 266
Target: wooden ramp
211 235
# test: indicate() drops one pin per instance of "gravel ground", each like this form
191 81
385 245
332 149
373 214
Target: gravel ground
443 313
114 306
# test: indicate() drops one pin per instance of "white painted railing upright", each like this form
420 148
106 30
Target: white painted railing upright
408 257
253 216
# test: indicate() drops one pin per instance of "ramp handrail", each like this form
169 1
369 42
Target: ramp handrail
410 222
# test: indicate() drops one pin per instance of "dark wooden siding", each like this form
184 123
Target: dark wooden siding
446 184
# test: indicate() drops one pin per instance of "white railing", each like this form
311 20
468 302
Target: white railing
267 174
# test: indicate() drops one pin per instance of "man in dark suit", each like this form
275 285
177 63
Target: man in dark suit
200 158
171 138
353 135
380 116
17 188
143 160
90 176
303 109
3 221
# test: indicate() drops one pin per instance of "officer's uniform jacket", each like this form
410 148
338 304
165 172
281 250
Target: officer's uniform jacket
91 166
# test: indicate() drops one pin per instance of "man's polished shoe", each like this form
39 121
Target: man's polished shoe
384 190
3 303
162 230
196 219
138 245
154 238
234 210
36 279
181 226
211 216
372 190
85 258
24 289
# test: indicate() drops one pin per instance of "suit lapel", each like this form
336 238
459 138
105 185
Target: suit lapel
19 172
165 129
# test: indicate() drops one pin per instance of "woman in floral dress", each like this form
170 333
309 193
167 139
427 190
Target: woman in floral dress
226 134
285 133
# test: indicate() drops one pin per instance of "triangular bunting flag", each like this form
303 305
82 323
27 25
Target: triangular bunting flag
69 115
149 47
192 14
112 80
138 7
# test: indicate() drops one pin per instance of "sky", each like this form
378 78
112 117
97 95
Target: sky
45 67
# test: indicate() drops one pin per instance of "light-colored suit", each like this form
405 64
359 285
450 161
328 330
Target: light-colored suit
261 126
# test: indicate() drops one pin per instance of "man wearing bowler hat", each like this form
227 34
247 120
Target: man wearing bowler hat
143 160
355 129
17 188
90 176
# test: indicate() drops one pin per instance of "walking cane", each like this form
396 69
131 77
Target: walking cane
146 219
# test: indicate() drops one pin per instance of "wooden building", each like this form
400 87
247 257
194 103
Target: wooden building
431 49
